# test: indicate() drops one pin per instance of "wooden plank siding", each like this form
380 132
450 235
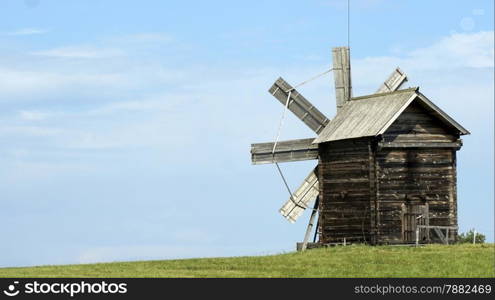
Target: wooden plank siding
422 174
373 188
414 177
344 171
415 125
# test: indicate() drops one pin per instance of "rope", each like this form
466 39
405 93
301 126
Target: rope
287 104
348 22
311 79
289 93
281 123
287 186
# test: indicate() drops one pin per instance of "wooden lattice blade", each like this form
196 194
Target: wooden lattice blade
307 192
342 75
393 82
285 151
298 105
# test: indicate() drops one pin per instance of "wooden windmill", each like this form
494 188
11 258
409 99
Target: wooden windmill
386 162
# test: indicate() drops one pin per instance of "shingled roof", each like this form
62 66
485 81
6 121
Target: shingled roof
371 115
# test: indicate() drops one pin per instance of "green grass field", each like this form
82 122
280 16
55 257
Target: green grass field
349 261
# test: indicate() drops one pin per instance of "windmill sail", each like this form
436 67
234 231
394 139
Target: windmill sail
285 151
309 189
342 75
301 107
301 198
394 81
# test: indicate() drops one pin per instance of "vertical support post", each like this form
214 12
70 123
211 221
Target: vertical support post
447 236
310 225
474 236
427 222
316 230
342 75
417 236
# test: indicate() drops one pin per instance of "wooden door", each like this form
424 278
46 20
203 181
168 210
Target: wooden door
412 216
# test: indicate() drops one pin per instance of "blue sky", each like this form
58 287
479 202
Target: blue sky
125 126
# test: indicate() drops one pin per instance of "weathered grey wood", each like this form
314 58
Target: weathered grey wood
373 115
386 169
455 145
307 191
342 75
285 151
366 116
310 225
344 171
426 214
447 120
316 230
393 82
412 216
440 234
298 105
417 236
374 216
438 227
438 230
308 246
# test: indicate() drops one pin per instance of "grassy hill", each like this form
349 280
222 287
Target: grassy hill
350 261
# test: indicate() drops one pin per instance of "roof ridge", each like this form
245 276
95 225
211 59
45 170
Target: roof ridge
416 88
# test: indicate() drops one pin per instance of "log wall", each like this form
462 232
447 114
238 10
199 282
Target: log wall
370 193
344 176
414 177
416 125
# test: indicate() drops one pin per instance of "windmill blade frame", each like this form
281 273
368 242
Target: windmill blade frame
342 75
393 82
309 189
306 193
285 151
298 105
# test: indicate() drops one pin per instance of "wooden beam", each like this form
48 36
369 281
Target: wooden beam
298 105
342 75
456 145
310 225
285 151
309 190
393 82
439 227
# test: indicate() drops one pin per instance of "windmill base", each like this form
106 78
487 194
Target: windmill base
308 246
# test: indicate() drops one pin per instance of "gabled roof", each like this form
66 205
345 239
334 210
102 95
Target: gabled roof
372 115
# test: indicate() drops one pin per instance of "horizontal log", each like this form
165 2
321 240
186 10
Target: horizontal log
454 145
285 151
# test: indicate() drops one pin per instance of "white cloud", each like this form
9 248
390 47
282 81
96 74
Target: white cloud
478 11
457 50
169 120
32 115
84 52
30 131
27 31
149 37
32 84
